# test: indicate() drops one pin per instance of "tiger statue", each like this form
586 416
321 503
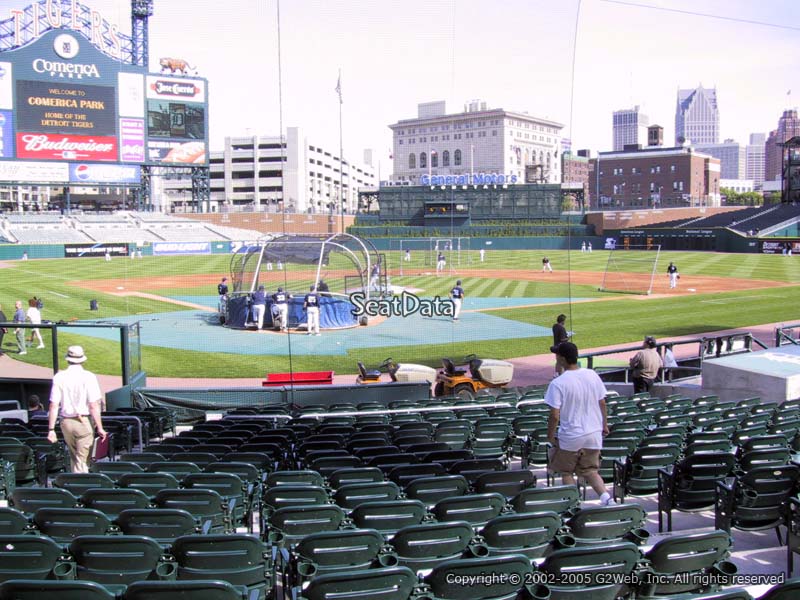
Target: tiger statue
175 64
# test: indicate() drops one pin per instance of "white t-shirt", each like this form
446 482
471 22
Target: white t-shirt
73 390
34 315
577 394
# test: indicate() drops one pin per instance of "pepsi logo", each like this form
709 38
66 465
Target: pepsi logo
83 172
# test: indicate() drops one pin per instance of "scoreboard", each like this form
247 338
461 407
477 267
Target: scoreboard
66 103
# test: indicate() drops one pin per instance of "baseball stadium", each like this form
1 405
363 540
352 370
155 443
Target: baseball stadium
356 404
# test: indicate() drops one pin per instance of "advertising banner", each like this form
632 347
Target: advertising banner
176 151
83 173
181 248
34 172
58 146
780 247
57 107
6 86
94 250
6 134
173 88
131 95
131 140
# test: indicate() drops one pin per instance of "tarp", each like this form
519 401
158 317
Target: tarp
334 313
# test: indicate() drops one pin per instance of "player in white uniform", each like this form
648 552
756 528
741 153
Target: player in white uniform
440 263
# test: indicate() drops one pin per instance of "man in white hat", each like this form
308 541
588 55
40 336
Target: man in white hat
74 398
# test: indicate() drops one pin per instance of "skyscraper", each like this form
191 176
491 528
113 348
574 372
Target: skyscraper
754 168
697 117
630 127
731 157
788 127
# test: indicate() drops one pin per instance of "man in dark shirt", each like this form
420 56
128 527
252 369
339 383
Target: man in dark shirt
222 287
311 305
559 335
457 296
280 312
259 306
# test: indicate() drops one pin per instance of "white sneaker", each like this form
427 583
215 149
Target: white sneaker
607 500
21 353
319 334
40 346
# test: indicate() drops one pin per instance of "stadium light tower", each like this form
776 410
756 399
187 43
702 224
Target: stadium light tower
141 10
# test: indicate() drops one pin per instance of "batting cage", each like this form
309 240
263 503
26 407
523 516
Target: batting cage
286 268
631 269
417 253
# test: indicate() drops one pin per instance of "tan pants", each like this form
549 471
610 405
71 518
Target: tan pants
79 437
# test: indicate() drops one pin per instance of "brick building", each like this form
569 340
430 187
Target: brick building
575 170
788 127
654 177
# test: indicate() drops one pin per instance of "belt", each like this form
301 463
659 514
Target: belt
74 417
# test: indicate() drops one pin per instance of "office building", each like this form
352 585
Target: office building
731 155
629 127
755 159
267 173
788 127
697 117
654 177
479 140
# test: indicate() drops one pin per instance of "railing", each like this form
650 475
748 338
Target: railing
784 335
688 367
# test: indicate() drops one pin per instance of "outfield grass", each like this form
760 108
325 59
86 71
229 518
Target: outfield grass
608 320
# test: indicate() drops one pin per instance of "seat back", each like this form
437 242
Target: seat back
149 483
28 499
78 483
507 483
171 590
509 574
607 523
431 490
27 557
65 524
351 495
12 521
162 524
337 550
388 517
559 498
115 559
391 583
292 523
530 534
689 553
425 545
474 508
27 589
114 501
236 558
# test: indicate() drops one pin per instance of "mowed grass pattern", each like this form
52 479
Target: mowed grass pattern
612 318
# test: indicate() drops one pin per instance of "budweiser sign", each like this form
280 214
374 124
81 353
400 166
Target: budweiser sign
49 146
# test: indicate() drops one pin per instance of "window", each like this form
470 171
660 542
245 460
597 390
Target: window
446 158
434 159
412 161
672 168
423 160
457 158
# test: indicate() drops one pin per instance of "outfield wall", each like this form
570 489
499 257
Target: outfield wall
717 239
15 251
506 243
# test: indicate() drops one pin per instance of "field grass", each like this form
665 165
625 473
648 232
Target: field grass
611 318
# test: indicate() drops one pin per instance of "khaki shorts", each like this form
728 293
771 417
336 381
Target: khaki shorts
581 462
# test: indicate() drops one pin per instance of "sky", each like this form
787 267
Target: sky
571 61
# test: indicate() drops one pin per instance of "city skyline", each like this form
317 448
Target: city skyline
517 56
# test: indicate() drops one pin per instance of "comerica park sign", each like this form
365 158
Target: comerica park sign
469 179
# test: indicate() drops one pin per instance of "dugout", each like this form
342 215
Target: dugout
337 265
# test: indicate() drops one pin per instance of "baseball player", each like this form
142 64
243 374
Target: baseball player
407 257
259 306
483 254
280 307
311 306
457 296
672 273
440 263
546 265
375 276
222 290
